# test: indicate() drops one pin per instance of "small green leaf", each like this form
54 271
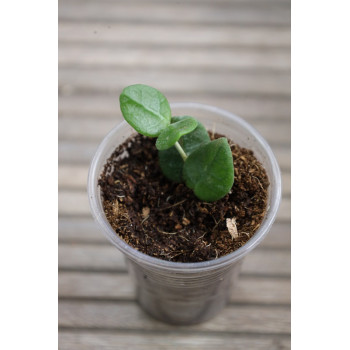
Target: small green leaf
171 164
145 109
209 170
172 133
170 160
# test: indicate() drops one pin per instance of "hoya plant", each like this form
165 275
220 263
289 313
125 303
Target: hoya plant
186 153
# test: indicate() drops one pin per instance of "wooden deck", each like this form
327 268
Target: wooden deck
232 54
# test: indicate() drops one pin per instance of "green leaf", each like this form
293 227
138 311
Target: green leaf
172 133
170 160
209 170
171 164
145 109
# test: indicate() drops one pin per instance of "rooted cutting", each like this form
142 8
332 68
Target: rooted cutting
165 219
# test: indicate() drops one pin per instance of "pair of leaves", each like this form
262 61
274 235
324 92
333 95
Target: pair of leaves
207 167
208 170
173 132
170 160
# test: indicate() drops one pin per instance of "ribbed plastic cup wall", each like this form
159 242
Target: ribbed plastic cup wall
187 293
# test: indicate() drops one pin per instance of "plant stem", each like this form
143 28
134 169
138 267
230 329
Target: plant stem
181 151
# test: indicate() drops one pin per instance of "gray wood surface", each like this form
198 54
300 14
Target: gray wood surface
236 12
112 286
109 79
127 315
124 34
88 257
233 54
175 58
122 340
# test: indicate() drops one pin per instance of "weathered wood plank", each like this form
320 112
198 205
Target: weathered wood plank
91 258
73 203
79 230
266 13
108 258
76 203
81 152
219 2
120 286
174 58
85 230
107 106
77 80
112 315
155 35
275 132
184 2
76 152
95 285
102 340
74 176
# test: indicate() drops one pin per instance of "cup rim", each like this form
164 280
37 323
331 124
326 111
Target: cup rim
133 254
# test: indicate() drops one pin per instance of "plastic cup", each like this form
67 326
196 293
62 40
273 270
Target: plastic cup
187 293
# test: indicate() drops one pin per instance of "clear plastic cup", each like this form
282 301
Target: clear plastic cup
187 293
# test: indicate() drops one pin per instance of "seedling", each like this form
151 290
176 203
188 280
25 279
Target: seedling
186 153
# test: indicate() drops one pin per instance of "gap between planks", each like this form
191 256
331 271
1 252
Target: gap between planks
73 80
175 58
238 13
108 258
233 318
119 287
153 35
216 2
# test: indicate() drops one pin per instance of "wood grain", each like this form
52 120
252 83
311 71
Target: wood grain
234 54
119 340
105 286
266 13
113 80
112 33
174 58
85 230
112 315
108 258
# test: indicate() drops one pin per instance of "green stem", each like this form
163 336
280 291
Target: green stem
181 151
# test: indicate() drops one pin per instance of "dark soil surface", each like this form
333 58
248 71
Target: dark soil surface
165 219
